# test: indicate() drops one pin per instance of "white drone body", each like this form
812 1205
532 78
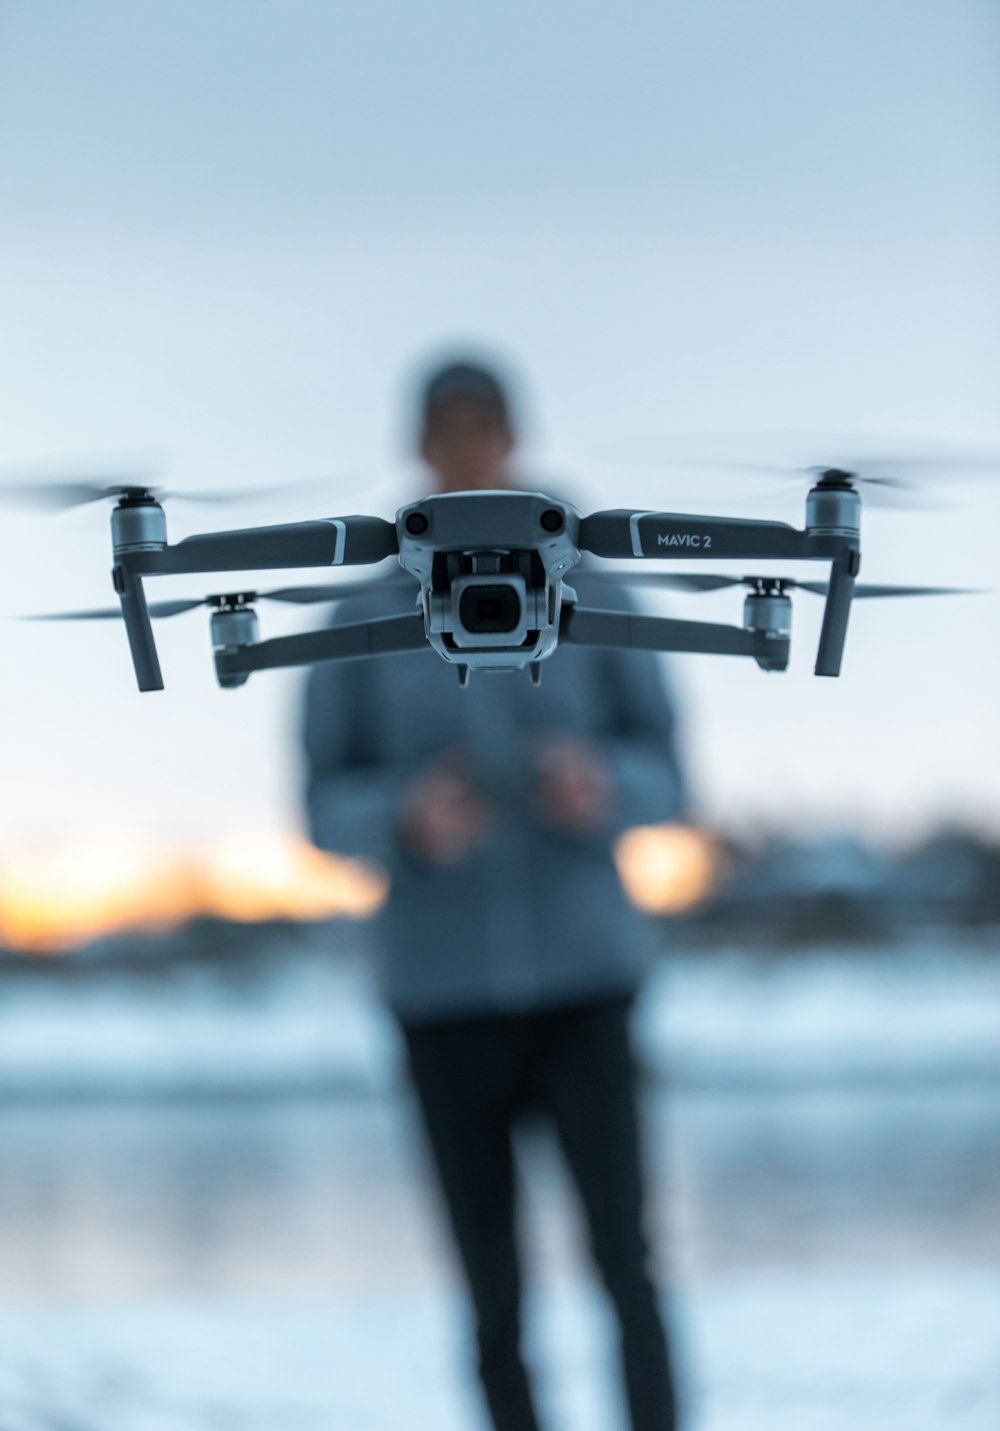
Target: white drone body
491 573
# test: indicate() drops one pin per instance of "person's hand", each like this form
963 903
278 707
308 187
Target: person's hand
573 789
444 818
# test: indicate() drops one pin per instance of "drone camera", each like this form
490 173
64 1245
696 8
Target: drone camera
490 610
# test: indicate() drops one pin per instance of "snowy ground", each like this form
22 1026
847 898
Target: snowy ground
825 1156
859 1354
302 1020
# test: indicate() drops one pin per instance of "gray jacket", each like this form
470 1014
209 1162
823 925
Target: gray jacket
534 918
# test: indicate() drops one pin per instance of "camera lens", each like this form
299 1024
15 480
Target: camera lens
486 610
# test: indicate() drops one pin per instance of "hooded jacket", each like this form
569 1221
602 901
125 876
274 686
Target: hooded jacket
533 918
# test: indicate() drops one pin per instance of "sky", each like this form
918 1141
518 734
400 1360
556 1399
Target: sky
231 234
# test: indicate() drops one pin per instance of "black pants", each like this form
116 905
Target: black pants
473 1077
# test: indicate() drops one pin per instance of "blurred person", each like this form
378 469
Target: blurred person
507 950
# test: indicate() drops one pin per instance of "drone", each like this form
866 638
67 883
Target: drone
493 571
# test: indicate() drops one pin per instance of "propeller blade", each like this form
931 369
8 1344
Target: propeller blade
108 613
334 591
910 468
112 613
697 581
891 473
680 581
61 496
310 488
881 489
869 591
866 590
175 608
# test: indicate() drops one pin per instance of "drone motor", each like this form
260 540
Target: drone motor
767 610
138 522
233 624
833 506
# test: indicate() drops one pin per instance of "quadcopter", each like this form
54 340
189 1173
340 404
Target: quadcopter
493 573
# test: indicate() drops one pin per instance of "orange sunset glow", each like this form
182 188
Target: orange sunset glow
60 899
666 869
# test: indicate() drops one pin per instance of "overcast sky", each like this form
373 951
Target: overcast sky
228 232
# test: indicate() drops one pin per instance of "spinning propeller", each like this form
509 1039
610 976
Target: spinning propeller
298 595
896 479
61 496
765 585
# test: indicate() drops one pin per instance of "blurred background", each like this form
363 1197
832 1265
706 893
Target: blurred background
231 235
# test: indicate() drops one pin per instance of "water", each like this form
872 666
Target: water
833 1258
214 1215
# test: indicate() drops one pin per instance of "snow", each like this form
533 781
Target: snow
772 1354
310 1022
832 1017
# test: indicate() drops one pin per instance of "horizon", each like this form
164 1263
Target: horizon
59 900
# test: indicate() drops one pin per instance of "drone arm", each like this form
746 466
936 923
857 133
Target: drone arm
139 629
384 636
336 541
625 533
835 616
582 626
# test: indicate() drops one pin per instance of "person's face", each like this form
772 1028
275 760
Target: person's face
467 447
